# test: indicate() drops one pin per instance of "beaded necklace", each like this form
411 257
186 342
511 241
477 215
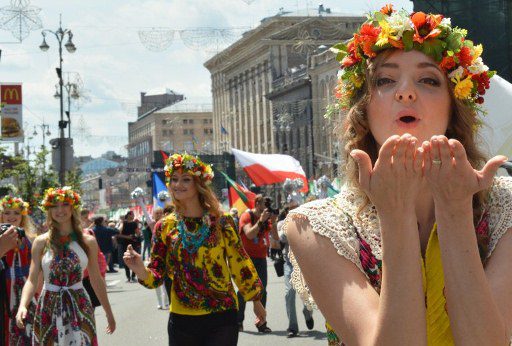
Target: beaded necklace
192 241
65 240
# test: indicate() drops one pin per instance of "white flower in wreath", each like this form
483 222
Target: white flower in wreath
198 173
189 164
478 66
400 22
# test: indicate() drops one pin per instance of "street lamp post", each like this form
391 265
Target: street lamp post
45 130
71 93
60 35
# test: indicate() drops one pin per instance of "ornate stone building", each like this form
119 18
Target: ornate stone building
175 128
256 69
328 152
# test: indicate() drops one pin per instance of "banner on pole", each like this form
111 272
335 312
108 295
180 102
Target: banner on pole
11 112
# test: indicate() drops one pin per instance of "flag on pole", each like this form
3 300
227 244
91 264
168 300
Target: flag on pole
265 169
158 185
239 197
164 155
223 130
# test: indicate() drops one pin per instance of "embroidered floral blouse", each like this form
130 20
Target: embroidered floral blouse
202 282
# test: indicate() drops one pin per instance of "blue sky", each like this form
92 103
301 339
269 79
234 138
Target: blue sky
114 65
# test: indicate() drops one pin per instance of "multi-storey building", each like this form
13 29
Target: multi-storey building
248 76
176 128
326 132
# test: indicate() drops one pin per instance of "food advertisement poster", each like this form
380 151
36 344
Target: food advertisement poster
11 112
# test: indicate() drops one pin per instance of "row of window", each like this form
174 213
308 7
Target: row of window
186 121
186 132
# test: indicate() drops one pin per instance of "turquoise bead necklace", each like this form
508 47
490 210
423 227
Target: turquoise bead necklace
192 241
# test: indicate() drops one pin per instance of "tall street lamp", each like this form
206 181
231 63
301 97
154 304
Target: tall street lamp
45 130
71 93
60 35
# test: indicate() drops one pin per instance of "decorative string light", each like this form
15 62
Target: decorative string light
20 18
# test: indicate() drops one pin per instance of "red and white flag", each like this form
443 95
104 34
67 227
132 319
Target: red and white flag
265 169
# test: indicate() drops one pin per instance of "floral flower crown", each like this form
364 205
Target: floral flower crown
10 202
431 34
189 164
64 194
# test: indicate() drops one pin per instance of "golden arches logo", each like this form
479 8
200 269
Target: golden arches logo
13 94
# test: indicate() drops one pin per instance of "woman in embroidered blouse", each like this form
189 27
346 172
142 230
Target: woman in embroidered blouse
421 212
15 257
198 248
64 314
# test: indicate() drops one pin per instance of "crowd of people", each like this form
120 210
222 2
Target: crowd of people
413 250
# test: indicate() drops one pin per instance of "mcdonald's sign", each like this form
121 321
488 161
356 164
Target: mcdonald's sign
10 94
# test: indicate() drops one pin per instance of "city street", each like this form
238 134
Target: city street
140 323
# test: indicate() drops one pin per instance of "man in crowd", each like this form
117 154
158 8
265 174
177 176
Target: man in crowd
104 237
258 228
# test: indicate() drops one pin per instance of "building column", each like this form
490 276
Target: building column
241 123
252 117
257 104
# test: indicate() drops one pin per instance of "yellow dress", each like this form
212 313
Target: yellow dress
438 323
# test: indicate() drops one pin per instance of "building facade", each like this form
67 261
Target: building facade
176 128
255 72
327 148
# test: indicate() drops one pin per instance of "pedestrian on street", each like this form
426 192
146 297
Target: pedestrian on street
162 292
198 248
129 232
146 238
64 314
257 227
416 248
289 291
15 254
104 236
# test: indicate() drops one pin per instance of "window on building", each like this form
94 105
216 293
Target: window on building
170 132
208 131
164 132
185 131
191 131
190 121
185 121
205 121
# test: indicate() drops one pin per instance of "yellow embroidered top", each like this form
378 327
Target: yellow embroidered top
202 280
355 234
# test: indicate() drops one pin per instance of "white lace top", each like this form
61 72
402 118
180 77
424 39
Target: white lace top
336 218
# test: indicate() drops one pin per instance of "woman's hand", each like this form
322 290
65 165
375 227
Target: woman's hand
393 183
451 177
20 317
111 323
260 312
134 261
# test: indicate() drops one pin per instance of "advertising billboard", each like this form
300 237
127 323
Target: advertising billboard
11 112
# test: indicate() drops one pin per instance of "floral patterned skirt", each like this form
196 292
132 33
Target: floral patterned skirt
64 318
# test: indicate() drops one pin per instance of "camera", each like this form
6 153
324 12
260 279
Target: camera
268 205
5 226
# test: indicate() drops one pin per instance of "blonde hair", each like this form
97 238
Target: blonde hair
356 132
53 231
207 199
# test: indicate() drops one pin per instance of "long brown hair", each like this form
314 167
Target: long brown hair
206 196
53 232
356 132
